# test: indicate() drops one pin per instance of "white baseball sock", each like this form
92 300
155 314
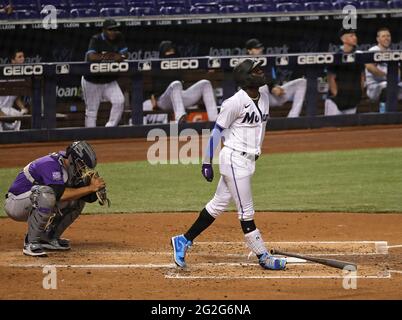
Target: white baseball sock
255 243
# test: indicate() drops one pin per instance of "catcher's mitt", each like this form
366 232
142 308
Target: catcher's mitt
101 194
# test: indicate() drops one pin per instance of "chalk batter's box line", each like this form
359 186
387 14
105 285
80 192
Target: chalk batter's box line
177 276
381 247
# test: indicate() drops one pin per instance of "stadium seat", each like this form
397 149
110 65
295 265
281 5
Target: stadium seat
317 6
261 8
289 6
87 4
172 10
231 9
253 2
373 5
83 13
140 3
113 12
25 14
395 4
111 4
59 4
142 11
171 3
24 5
61 13
340 4
230 2
204 9
196 3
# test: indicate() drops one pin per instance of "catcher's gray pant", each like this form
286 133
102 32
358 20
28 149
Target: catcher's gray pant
47 219
331 109
295 91
374 90
94 94
178 99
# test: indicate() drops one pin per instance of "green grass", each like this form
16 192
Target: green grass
351 181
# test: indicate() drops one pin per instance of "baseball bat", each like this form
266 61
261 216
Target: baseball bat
328 262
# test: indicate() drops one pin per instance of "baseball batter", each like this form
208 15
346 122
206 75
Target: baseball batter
7 103
108 46
49 194
376 73
168 93
294 90
241 123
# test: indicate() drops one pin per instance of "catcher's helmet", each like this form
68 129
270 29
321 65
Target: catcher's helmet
80 155
244 78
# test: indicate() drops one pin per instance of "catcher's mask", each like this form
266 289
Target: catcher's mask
243 74
81 157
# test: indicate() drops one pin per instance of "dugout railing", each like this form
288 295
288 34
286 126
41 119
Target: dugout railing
43 77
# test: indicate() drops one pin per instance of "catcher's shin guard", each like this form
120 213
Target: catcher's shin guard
43 201
64 218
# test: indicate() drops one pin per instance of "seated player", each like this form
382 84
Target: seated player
168 92
293 90
376 73
13 105
50 193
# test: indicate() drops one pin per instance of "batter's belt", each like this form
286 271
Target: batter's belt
250 156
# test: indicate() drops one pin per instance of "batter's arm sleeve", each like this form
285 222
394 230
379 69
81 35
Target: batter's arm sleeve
214 140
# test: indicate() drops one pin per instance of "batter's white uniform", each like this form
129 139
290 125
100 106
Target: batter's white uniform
376 84
245 124
6 106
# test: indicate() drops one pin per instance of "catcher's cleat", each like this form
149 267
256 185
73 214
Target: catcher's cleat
33 249
270 262
180 245
56 244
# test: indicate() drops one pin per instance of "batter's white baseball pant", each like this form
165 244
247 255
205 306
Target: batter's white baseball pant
177 99
235 183
295 91
94 93
331 109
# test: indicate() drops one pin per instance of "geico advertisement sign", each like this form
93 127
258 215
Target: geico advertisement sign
109 67
315 59
179 64
30 70
387 56
235 61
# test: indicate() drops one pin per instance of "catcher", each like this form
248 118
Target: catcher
51 192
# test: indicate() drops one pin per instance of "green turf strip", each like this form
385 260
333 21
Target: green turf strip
352 181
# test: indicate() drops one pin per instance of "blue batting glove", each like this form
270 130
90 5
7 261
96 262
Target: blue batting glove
207 171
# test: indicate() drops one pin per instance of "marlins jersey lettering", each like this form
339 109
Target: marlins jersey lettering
245 121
